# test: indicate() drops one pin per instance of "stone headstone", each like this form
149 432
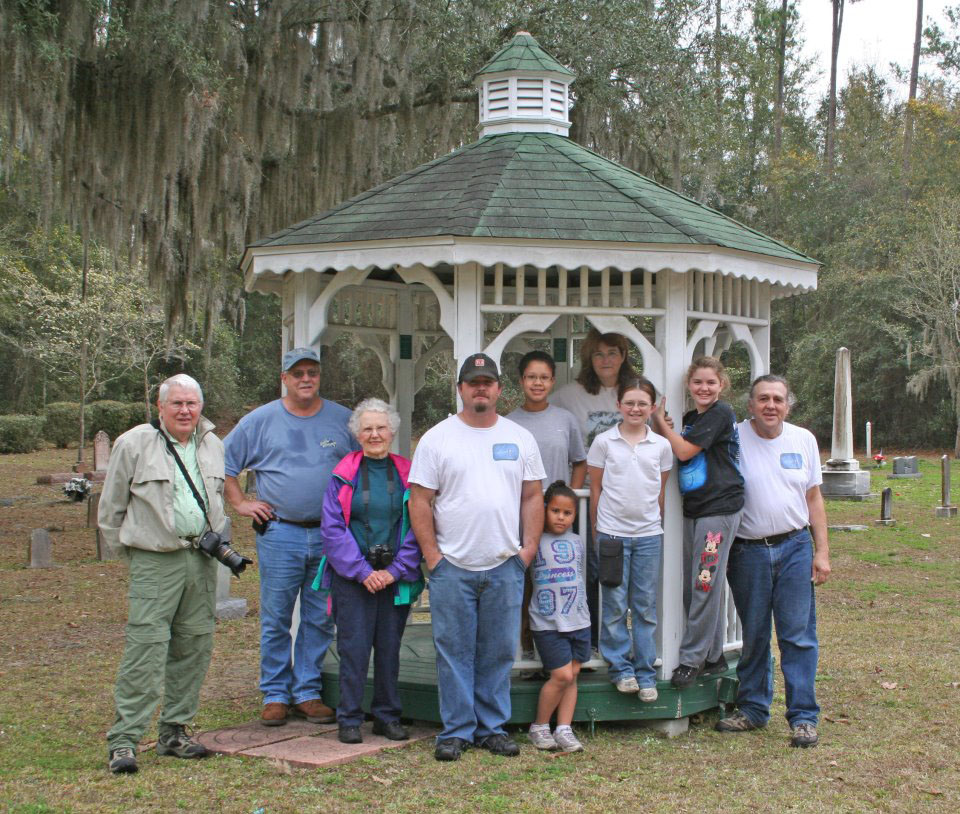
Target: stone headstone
41 549
842 476
101 451
869 440
886 508
228 607
905 466
945 509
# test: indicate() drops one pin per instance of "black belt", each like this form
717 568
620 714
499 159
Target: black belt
773 539
304 524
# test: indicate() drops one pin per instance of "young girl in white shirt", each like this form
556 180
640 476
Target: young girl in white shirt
628 467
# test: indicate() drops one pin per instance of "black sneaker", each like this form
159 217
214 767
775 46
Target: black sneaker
712 668
123 760
391 730
175 741
684 676
499 745
450 749
349 734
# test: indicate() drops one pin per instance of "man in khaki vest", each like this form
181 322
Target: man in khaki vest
149 514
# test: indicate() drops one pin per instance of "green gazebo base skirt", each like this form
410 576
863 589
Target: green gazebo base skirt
597 699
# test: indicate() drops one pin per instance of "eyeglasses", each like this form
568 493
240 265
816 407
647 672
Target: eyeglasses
610 354
532 377
636 405
305 372
192 406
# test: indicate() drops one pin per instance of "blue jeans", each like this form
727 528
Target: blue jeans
638 592
476 624
288 557
775 581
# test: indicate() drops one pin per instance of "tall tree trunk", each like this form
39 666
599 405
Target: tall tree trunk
908 115
781 78
83 352
832 107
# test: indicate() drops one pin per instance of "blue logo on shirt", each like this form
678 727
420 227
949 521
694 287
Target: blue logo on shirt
791 460
506 452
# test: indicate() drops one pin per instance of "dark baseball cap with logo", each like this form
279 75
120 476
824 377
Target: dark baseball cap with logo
478 365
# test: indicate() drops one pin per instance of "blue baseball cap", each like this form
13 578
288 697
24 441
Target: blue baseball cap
291 357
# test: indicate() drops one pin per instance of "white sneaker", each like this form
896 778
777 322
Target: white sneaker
566 740
628 684
648 694
540 737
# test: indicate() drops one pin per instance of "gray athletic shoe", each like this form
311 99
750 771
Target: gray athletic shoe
566 740
804 735
737 722
648 694
627 684
540 737
175 741
123 760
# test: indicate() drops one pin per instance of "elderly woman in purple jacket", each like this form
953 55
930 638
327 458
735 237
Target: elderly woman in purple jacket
372 568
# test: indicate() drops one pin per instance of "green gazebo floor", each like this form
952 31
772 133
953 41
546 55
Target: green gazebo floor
597 699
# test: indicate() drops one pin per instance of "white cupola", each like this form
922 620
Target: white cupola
523 89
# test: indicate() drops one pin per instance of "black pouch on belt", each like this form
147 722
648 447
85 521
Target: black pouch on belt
611 563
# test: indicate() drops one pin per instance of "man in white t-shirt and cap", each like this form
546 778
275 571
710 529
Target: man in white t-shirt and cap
474 490
774 565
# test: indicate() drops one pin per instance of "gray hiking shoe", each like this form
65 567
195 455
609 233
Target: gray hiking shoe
737 722
804 735
540 737
627 684
175 741
123 760
566 740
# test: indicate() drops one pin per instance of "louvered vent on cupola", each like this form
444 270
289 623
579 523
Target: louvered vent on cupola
523 89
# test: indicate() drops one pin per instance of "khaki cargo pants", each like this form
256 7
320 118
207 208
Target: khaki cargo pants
169 641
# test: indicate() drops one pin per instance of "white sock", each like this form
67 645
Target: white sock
539 727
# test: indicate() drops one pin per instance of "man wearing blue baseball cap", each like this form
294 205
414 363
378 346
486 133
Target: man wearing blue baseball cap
293 444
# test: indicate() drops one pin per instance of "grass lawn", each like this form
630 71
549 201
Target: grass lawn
889 686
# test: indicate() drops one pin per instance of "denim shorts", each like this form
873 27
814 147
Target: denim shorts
559 647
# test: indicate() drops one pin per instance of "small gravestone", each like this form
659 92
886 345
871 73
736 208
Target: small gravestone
101 451
41 549
886 508
228 607
945 509
905 466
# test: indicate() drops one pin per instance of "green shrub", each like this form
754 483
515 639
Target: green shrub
20 433
62 422
113 417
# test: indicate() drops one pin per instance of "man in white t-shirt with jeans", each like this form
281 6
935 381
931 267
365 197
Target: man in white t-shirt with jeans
474 489
774 565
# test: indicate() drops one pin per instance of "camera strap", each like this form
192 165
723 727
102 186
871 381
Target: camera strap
365 492
183 469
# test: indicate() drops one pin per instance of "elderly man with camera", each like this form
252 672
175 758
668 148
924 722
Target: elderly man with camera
162 509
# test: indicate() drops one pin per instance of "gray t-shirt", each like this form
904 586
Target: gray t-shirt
559 600
558 437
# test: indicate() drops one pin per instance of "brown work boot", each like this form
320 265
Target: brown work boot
315 711
274 714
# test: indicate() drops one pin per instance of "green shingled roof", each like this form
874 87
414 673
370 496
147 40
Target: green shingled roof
523 53
528 185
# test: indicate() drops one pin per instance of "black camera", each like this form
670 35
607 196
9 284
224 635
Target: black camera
213 545
380 556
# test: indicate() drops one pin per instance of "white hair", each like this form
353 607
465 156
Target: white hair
180 380
374 406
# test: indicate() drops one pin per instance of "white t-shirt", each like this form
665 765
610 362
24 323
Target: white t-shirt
629 503
595 413
777 473
478 475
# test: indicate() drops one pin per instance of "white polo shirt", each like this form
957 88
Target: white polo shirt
629 500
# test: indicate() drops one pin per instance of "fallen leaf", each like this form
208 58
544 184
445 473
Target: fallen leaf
924 535
878 669
72 624
935 792
840 720
386 781
832 763
281 766
954 684
888 685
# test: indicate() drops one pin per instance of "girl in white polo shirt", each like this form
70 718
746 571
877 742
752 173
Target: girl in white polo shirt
628 466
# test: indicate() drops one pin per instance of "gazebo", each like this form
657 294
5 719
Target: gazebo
523 235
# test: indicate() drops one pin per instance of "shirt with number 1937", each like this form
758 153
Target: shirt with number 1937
559 599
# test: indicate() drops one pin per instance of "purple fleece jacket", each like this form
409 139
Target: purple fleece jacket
339 545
